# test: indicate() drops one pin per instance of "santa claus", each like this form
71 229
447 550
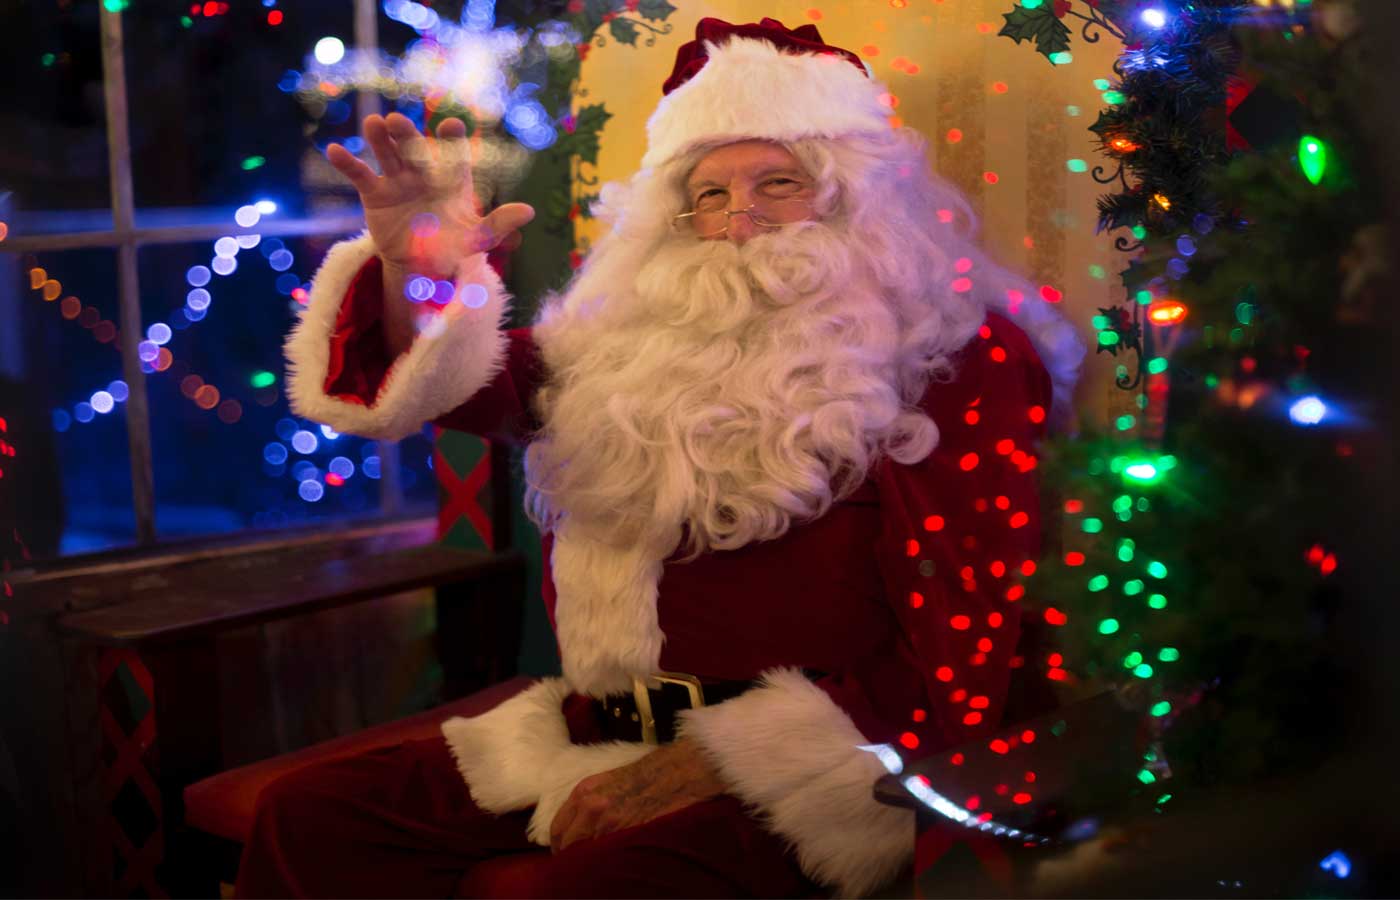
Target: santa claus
780 442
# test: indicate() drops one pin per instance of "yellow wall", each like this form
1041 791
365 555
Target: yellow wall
1038 217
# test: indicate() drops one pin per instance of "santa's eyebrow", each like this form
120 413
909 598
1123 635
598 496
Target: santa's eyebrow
762 173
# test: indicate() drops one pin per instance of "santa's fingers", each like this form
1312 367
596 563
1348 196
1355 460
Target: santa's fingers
501 223
412 146
593 814
353 168
563 819
451 129
377 134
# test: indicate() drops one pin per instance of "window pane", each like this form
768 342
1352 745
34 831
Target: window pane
63 401
227 452
210 125
51 114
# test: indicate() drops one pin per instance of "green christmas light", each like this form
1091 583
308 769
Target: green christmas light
47 59
1126 547
1157 601
1169 654
1108 626
1077 165
1134 587
1092 526
1062 58
1125 422
1163 799
1156 569
1143 670
253 162
1156 366
1122 503
1244 313
1140 232
1312 156
1161 709
1146 776
1102 84
1132 659
1142 472
1113 98
116 6
1032 4
1098 583
1108 338
263 379
186 21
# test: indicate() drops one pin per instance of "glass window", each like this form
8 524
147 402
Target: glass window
223 139
51 114
213 122
227 452
63 399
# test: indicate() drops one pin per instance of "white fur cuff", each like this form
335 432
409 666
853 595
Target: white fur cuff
519 755
447 363
787 749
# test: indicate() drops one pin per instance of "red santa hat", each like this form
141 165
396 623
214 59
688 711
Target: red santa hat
765 81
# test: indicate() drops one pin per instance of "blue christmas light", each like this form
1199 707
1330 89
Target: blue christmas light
1336 862
1309 410
1154 18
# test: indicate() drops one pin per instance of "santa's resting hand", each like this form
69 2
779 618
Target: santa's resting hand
669 778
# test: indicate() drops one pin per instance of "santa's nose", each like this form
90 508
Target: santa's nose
741 228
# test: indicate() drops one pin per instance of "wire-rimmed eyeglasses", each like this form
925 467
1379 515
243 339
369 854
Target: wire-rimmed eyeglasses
766 213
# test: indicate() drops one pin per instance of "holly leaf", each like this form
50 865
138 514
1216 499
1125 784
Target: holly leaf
624 31
655 9
1039 25
589 122
585 205
591 18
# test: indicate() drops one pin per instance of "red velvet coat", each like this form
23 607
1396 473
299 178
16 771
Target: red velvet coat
905 593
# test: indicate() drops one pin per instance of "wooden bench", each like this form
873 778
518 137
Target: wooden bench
165 619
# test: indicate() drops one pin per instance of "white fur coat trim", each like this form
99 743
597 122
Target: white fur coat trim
748 88
518 755
605 615
789 751
448 362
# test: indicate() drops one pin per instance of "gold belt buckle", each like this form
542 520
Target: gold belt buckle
641 688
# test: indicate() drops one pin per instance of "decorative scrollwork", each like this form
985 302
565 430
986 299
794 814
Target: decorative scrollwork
1099 175
1131 383
1125 245
1096 21
654 30
1141 339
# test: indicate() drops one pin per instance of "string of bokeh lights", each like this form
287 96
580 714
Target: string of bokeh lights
156 357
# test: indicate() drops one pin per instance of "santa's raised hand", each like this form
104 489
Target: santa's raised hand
421 212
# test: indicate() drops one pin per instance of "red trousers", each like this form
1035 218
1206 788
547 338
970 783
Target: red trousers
399 822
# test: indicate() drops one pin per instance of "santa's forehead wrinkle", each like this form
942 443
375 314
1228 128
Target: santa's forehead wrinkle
747 158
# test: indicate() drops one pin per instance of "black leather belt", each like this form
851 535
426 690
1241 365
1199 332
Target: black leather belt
649 713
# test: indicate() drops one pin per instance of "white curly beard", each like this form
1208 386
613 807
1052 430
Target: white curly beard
724 393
